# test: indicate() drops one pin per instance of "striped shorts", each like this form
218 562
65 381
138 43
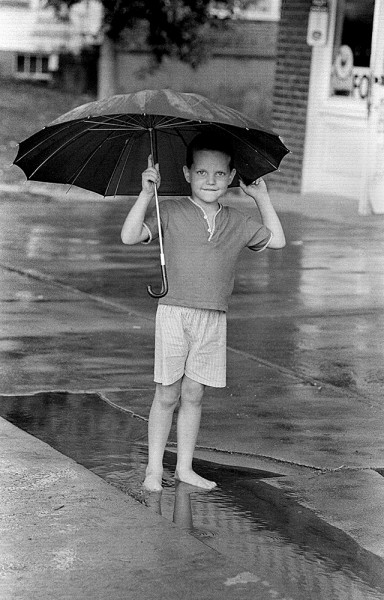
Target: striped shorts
192 342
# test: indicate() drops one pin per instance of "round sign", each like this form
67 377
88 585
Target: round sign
344 62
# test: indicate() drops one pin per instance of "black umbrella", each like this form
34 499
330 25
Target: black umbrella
100 146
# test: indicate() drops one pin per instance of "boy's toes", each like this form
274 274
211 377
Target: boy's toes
194 479
152 482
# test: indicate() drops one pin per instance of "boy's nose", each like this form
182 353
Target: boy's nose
211 178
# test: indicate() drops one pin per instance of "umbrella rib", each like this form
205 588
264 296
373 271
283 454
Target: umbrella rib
133 120
45 140
119 135
115 128
69 125
161 121
112 119
127 149
246 143
116 125
182 139
166 120
82 167
67 143
169 124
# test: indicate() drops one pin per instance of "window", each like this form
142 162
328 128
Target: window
352 48
248 10
32 66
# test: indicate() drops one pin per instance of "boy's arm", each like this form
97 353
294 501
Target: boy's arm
133 230
258 191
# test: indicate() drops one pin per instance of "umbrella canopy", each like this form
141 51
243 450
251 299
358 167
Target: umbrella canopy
103 146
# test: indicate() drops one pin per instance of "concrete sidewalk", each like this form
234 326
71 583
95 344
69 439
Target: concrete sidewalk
67 534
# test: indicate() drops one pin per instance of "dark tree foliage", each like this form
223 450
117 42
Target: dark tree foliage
175 27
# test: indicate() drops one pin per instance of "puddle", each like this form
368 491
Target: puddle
280 543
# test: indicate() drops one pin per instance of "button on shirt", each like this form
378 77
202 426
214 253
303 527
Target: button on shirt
201 258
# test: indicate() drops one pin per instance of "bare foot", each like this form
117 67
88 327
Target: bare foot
194 479
152 482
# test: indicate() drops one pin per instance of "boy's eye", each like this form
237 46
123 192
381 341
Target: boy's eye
203 173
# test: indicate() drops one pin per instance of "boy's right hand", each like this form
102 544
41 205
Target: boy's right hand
150 177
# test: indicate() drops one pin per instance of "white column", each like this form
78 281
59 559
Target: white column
372 188
107 76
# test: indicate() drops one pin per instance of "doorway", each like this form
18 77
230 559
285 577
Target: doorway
340 99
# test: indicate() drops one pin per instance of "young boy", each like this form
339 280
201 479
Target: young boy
202 241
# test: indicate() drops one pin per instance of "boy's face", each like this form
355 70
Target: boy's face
209 176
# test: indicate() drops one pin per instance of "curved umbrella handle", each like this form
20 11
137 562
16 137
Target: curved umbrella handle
164 285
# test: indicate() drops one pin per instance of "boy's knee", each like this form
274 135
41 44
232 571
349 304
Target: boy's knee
168 395
192 391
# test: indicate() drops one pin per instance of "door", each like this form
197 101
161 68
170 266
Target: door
340 104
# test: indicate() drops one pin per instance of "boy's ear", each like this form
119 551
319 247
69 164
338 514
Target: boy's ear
233 173
186 174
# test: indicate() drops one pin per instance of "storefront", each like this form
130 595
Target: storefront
344 138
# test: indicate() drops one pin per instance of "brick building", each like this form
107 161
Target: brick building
291 88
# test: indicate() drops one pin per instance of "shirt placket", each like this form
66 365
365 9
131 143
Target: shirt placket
211 230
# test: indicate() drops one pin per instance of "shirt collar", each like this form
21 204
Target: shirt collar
201 208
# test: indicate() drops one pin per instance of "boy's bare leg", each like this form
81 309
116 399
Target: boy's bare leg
159 425
188 422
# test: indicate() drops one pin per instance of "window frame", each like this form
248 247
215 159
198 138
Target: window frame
39 73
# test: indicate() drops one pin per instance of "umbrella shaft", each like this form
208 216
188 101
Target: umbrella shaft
154 158
152 138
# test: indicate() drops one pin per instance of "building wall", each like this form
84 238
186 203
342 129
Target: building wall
290 95
17 21
240 71
29 28
7 64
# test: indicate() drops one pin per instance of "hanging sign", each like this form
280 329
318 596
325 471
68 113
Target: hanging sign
318 23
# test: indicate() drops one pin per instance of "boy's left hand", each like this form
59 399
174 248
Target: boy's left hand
254 189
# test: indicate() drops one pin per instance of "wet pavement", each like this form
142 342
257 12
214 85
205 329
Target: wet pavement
288 548
314 308
305 336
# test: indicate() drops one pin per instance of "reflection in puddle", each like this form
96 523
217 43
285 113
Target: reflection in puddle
274 541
